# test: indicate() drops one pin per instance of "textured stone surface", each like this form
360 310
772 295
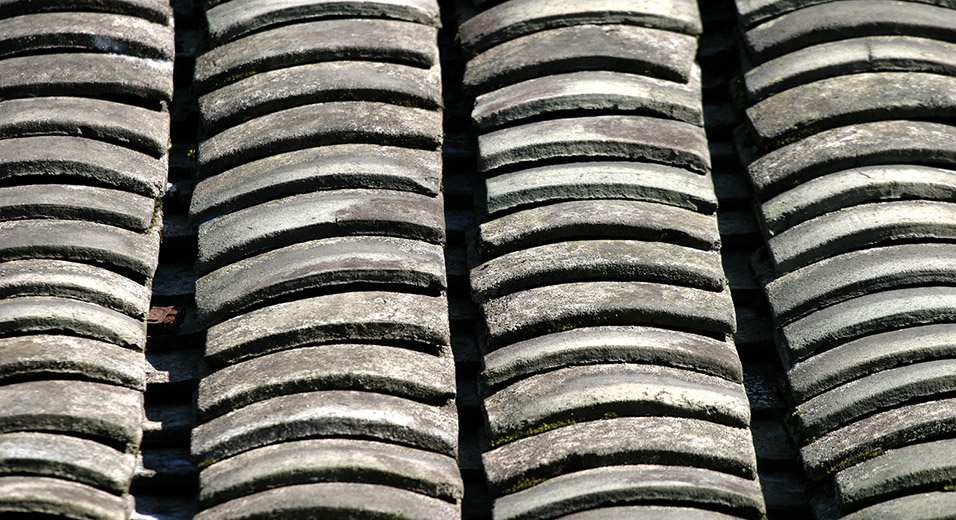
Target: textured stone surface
831 192
66 457
754 11
86 73
871 354
347 500
275 90
153 10
331 460
596 260
551 96
596 345
514 19
938 505
390 370
854 98
353 316
846 19
521 315
71 357
313 169
916 467
58 498
44 314
856 273
648 512
652 52
98 32
881 431
876 392
230 20
318 215
318 264
594 219
600 180
635 138
893 142
635 484
58 159
80 242
380 40
862 226
64 201
134 127
591 392
327 414
321 124
869 314
74 280
850 56
632 440
91 410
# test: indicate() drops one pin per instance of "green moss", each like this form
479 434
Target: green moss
610 415
206 463
531 431
853 461
524 484
951 486
234 78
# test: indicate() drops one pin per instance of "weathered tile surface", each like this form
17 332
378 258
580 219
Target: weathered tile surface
331 460
319 264
56 497
318 215
88 31
353 499
55 356
233 19
635 138
599 180
322 168
388 370
633 484
850 56
516 18
333 413
351 316
623 48
86 74
381 40
593 219
289 87
66 457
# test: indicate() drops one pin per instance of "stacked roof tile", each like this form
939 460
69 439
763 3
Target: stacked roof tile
321 275
84 129
851 159
493 270
610 385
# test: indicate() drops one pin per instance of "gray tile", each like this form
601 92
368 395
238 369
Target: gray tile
389 370
331 460
234 19
623 48
510 20
51 355
317 215
87 31
62 498
534 312
352 499
634 138
354 316
380 40
66 457
625 485
333 413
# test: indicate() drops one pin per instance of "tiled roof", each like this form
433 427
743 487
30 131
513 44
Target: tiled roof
479 259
